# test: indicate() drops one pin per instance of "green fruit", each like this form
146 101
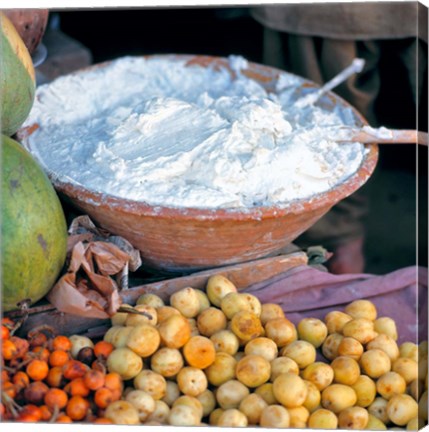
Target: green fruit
17 78
33 228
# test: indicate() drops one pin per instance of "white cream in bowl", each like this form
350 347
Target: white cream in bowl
158 131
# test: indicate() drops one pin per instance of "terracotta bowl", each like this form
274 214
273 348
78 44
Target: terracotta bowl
188 239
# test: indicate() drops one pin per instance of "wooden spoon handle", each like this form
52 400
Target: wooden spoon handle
395 136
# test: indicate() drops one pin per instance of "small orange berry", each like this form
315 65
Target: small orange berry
113 381
42 353
55 377
9 389
21 380
77 408
8 349
74 369
61 343
56 397
63 418
4 376
77 387
46 413
27 418
35 392
103 349
5 332
58 358
103 397
39 339
102 420
22 346
33 410
37 370
94 379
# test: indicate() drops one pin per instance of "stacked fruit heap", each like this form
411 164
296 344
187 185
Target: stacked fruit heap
55 378
222 358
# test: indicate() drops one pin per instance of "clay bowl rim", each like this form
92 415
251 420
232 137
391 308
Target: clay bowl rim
264 75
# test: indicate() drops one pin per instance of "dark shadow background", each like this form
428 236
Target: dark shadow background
397 223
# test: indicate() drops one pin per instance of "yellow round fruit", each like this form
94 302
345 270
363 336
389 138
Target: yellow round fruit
167 362
401 409
281 365
319 373
361 329
350 347
312 401
230 394
174 331
125 362
275 416
375 363
199 352
386 344
186 301
331 345
203 300
252 406
266 392
378 409
172 392
217 287
386 325
338 397
270 311
301 351
165 312
122 412
353 418
336 320
143 339
346 370
160 414
263 347
191 381
362 309
246 326
232 418
208 401
322 419
290 390
183 415
407 368
312 330
211 321
281 331
253 370
222 369
191 402
152 383
375 423
225 341
365 391
298 417
150 300
390 384
143 402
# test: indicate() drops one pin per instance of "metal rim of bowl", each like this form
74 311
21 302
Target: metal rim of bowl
265 75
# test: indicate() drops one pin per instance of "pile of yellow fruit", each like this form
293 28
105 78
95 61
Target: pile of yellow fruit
220 357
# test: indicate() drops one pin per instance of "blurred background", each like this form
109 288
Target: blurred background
396 225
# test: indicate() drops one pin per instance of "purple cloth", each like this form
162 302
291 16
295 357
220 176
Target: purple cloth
307 292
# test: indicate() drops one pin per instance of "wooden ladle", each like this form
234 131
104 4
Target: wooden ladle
368 135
